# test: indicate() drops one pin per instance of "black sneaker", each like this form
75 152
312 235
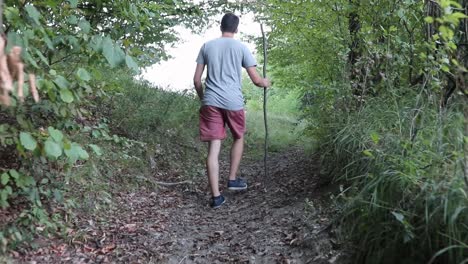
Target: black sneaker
217 201
237 185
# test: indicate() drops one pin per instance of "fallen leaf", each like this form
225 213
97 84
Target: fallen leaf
108 248
88 248
129 227
15 254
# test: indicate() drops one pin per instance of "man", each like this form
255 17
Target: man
222 101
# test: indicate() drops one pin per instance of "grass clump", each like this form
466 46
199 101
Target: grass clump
405 201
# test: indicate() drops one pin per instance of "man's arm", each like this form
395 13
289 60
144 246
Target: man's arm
256 79
197 80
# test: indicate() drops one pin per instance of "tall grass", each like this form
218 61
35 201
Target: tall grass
405 198
142 111
285 131
285 126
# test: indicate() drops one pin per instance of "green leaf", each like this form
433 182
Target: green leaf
52 149
14 40
96 43
14 174
61 82
56 134
368 153
11 14
84 154
446 33
42 57
76 152
445 68
48 42
73 3
72 154
113 53
58 195
454 3
66 95
72 20
33 13
458 15
28 141
96 149
9 190
3 198
375 137
5 178
429 20
73 41
83 75
398 216
85 26
29 181
131 63
29 59
96 133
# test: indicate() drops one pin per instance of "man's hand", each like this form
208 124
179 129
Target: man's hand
266 83
256 79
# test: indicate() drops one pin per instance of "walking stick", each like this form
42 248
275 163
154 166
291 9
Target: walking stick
265 159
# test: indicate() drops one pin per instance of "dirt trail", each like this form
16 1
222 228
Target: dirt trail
176 225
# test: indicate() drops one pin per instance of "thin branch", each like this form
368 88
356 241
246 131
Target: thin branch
169 184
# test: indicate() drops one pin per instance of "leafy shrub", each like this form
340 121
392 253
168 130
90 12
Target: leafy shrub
69 46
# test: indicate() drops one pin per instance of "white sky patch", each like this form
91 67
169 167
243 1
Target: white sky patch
177 73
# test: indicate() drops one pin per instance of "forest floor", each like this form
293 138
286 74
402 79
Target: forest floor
283 218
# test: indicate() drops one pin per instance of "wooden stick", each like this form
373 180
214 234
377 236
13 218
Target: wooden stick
265 159
169 184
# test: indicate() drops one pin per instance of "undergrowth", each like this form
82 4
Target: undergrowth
400 162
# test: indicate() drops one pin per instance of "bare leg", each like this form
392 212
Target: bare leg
212 165
236 156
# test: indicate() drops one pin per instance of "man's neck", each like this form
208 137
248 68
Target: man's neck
227 35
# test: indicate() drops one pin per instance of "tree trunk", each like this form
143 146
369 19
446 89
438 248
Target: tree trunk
354 48
463 56
465 141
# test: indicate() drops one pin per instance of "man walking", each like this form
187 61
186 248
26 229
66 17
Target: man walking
222 101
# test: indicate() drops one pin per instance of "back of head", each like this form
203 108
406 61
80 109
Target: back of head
229 23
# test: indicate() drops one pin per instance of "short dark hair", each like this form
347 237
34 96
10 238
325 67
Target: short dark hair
229 23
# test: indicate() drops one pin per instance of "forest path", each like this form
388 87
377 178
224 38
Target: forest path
176 225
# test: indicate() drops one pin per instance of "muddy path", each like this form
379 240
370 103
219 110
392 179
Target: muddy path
283 218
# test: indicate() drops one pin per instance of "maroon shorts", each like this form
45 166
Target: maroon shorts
213 121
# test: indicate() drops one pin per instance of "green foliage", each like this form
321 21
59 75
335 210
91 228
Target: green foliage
284 124
147 112
377 83
285 131
409 184
167 123
69 46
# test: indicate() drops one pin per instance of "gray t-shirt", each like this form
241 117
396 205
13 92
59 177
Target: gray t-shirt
225 58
